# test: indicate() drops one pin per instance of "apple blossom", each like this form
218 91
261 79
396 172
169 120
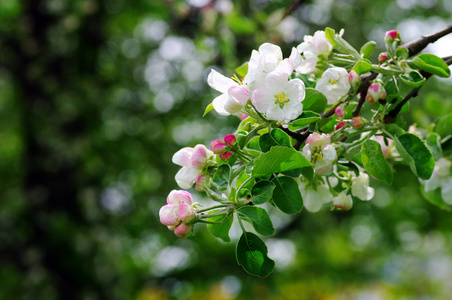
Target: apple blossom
343 201
178 212
230 139
319 152
333 84
339 125
441 178
376 92
311 49
339 112
354 79
383 57
361 188
358 121
279 98
234 96
391 36
218 146
266 60
314 196
226 156
194 162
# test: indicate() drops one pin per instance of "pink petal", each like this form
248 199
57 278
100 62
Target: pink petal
182 157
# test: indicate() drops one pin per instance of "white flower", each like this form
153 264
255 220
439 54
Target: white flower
314 196
279 98
311 49
319 152
266 60
193 161
442 178
343 201
360 187
234 96
333 84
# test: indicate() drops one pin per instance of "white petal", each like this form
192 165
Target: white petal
311 201
262 98
446 190
186 177
307 152
329 153
232 106
220 82
271 55
433 183
183 157
219 103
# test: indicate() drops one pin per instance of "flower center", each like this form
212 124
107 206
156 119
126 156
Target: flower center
333 82
281 99
317 155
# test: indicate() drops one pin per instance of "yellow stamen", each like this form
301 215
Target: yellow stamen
281 99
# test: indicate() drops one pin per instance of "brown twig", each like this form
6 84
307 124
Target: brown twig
414 92
292 8
416 46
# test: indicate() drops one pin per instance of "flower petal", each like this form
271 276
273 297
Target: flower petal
220 82
186 177
182 157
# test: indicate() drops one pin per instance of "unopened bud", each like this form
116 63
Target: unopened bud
226 156
230 139
182 230
383 57
339 112
354 79
339 125
391 36
376 92
218 146
358 121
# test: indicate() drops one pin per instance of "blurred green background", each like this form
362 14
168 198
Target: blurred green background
97 95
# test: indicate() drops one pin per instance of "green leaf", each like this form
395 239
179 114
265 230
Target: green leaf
402 53
221 230
416 154
367 49
392 90
314 101
242 70
413 78
262 192
254 143
222 175
394 129
374 161
300 123
433 142
444 126
279 159
362 66
208 109
259 218
432 64
340 44
286 195
435 198
251 253
276 137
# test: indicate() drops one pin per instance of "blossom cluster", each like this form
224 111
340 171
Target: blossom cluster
302 141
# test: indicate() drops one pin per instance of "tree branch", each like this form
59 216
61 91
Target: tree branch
414 92
416 46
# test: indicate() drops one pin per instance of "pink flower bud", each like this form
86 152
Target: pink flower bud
226 156
353 78
230 139
186 212
376 92
391 36
343 202
315 139
178 196
339 112
358 121
339 125
182 230
383 57
169 215
218 146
